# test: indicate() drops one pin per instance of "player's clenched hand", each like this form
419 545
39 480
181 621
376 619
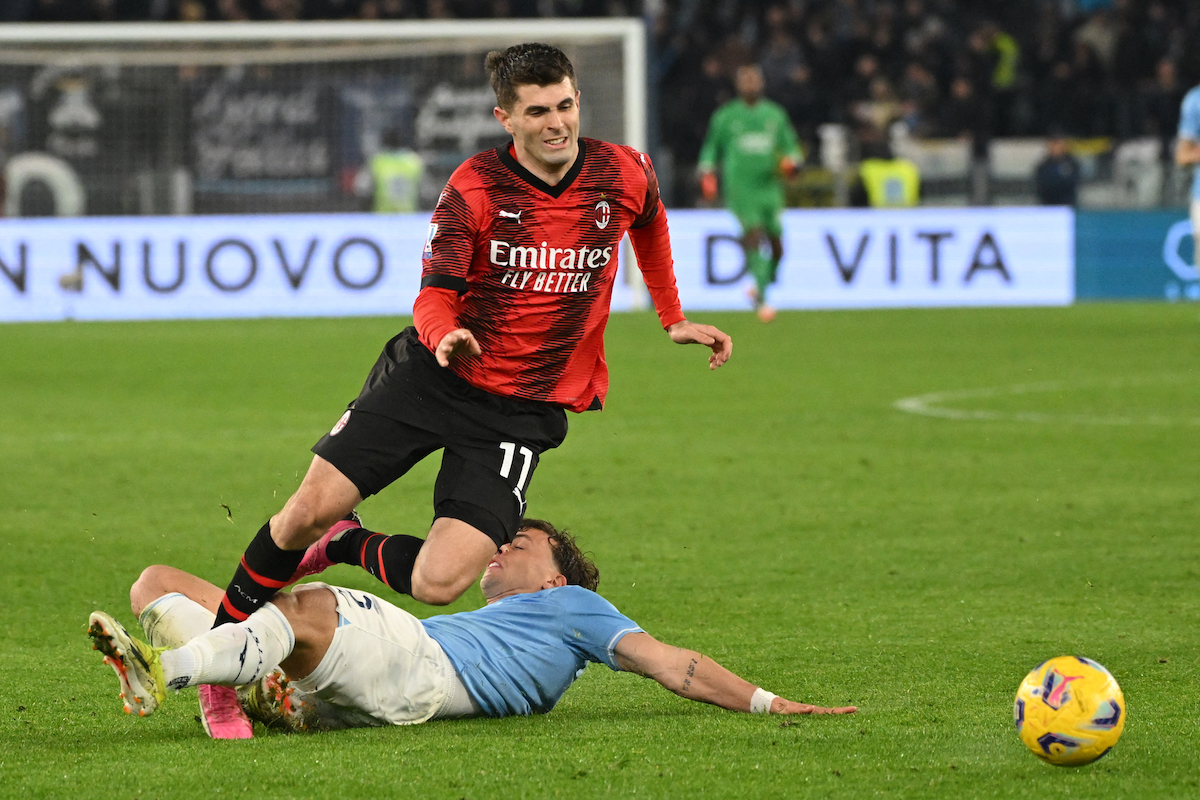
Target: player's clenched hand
456 343
686 332
781 705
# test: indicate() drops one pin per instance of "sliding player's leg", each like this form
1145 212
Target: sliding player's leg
293 631
174 607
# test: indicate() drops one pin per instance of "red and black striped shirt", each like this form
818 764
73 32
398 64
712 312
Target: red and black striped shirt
528 268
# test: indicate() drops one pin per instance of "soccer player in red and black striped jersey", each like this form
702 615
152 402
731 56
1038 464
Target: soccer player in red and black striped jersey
522 255
517 277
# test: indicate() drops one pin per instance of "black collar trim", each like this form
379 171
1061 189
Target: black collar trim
555 191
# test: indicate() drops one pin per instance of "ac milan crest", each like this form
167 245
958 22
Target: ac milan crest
341 423
603 214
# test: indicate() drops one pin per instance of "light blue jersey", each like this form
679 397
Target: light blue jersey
1189 126
518 655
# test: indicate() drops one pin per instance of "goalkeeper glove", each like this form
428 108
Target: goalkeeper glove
789 167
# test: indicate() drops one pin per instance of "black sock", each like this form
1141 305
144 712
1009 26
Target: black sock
388 558
265 569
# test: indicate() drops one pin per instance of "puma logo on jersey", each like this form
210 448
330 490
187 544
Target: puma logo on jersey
510 215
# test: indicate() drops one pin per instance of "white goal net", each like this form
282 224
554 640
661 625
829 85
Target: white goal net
231 118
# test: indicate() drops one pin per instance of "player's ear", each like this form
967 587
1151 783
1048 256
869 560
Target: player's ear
555 582
502 117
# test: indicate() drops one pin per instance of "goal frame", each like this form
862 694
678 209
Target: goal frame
146 35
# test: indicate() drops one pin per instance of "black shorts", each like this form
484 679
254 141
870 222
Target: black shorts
410 406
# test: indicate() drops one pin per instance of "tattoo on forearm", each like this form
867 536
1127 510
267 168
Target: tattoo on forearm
691 673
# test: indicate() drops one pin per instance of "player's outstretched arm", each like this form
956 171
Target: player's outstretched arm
458 342
687 332
692 675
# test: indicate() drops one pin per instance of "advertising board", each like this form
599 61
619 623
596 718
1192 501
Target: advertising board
95 268
877 258
210 266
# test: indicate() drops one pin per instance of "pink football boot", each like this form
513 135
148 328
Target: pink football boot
222 715
315 560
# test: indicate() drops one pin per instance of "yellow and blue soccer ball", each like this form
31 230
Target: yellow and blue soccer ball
1069 711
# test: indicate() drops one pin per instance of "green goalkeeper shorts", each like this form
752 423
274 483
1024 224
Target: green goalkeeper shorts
763 211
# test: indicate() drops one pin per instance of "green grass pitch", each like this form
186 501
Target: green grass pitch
782 515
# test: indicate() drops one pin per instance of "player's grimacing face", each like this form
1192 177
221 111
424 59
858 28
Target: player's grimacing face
525 565
544 123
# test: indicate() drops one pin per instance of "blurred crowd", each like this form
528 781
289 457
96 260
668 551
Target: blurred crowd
243 10
946 68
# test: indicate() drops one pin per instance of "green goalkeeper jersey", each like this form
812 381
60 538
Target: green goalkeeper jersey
747 143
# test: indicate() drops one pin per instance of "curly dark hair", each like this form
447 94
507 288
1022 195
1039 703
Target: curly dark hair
524 65
575 566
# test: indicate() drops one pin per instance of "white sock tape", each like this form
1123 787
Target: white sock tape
760 701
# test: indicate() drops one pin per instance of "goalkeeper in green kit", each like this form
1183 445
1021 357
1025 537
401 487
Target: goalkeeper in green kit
752 142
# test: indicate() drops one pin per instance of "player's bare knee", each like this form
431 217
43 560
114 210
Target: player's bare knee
438 591
434 595
310 610
290 605
149 586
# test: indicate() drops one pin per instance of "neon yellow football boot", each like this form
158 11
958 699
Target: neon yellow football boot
137 664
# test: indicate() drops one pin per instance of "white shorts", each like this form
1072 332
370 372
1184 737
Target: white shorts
382 668
1196 226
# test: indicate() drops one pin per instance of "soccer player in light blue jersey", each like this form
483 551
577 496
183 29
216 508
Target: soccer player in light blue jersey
1187 151
347 658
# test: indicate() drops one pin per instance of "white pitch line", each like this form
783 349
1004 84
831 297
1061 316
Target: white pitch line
932 404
